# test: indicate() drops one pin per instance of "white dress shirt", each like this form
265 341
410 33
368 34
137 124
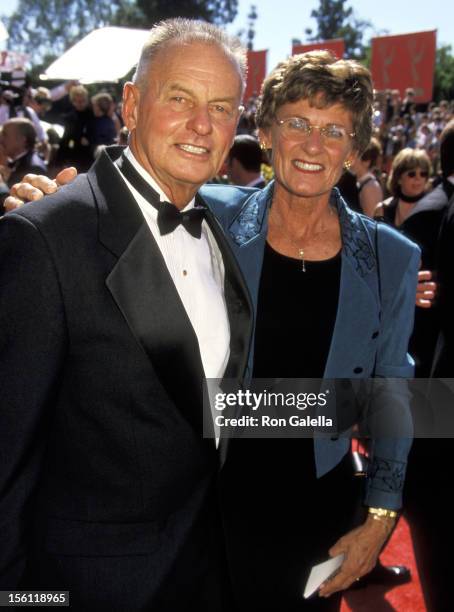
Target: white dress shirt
197 270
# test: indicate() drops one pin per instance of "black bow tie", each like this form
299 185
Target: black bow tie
169 217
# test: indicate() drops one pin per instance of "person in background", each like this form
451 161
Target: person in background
407 102
431 463
18 142
244 162
408 183
41 102
18 155
17 104
102 129
370 192
75 149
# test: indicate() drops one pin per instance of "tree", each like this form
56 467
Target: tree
214 11
252 18
444 74
46 28
336 20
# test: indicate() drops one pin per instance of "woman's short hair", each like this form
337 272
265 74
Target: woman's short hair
323 80
407 159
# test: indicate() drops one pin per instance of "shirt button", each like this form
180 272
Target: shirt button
374 335
357 370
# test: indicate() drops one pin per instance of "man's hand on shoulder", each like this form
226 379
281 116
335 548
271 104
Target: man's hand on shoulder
35 186
426 289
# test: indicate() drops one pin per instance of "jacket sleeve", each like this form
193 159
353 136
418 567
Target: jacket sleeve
32 341
389 416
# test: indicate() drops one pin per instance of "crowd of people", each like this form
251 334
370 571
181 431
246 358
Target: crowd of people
71 128
130 285
54 128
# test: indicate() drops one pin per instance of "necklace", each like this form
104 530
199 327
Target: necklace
297 246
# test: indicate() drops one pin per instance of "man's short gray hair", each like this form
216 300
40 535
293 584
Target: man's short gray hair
187 31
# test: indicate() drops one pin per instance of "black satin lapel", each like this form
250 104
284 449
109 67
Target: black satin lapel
239 304
144 292
119 215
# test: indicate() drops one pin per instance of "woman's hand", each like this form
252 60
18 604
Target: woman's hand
361 548
35 186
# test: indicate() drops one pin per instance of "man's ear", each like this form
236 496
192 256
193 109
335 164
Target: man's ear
131 97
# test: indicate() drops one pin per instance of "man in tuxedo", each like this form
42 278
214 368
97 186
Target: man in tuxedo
430 464
114 306
423 227
443 365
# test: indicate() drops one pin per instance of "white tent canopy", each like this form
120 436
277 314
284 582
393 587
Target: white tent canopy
107 54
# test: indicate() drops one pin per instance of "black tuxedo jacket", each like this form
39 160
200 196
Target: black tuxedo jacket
106 484
443 366
29 163
423 227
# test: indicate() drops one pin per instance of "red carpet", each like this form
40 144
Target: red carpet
406 598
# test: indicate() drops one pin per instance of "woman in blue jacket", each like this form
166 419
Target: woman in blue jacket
334 298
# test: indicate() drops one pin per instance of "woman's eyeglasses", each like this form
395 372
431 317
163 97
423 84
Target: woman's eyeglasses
298 128
413 173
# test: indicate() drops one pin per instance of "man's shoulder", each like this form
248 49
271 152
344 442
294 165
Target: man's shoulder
433 202
60 210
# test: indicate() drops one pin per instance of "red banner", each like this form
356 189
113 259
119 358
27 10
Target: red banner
256 61
407 60
335 45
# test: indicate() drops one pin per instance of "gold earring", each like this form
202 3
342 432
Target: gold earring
263 146
347 164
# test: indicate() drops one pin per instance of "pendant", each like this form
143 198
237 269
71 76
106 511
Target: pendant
303 263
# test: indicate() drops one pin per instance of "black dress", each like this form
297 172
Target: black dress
279 518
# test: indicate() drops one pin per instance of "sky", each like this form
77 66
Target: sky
281 20
277 26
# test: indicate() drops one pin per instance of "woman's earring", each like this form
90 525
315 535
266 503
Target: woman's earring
263 146
347 164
